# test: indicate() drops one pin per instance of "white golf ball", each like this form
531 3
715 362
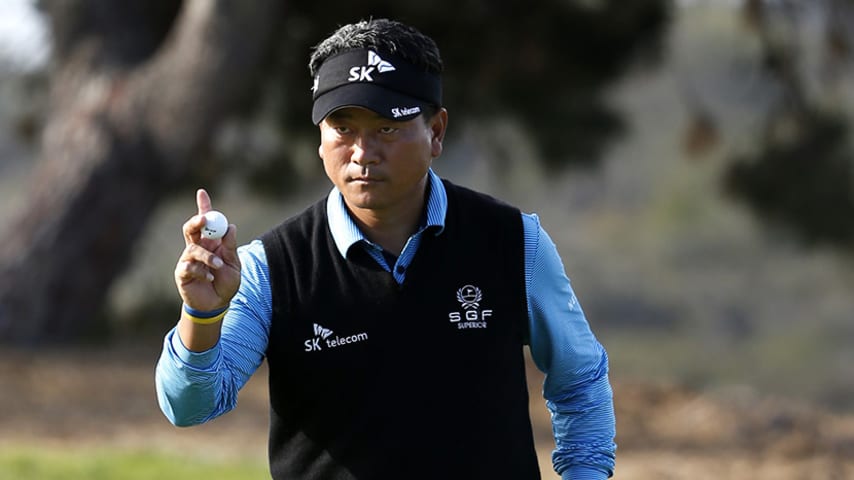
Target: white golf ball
215 225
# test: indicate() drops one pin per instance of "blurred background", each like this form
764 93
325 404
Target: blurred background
693 161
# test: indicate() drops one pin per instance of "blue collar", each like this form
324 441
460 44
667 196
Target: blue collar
346 233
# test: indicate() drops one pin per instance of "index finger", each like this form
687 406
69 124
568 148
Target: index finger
203 201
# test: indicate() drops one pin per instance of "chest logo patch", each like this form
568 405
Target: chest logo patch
323 338
471 316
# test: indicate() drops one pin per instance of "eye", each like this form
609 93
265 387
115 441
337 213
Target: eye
342 130
388 129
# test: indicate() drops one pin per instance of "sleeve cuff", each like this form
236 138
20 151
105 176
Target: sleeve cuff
198 360
583 473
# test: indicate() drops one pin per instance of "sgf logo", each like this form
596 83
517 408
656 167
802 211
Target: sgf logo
472 316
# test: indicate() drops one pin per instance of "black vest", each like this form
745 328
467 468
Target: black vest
371 380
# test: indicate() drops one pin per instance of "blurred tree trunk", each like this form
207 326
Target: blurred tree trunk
137 89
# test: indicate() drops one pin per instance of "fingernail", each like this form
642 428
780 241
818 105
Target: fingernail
217 262
210 277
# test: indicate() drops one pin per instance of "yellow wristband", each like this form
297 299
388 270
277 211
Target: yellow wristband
205 321
204 318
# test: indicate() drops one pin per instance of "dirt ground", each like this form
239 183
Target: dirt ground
74 398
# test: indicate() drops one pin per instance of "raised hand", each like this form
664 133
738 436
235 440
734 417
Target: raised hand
208 272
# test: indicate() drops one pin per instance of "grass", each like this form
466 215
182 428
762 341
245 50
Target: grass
31 463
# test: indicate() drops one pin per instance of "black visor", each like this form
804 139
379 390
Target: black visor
383 83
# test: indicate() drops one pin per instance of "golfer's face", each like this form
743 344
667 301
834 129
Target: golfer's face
377 163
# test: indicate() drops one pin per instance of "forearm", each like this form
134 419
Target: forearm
188 383
198 337
194 387
584 429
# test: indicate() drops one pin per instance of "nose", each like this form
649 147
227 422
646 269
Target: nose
364 151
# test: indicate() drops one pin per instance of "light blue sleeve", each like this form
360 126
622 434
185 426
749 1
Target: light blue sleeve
576 388
194 387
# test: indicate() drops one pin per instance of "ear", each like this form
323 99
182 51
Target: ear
438 126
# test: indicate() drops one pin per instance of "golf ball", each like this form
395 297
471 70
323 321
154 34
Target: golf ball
215 225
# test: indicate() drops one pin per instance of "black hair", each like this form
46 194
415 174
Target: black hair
383 35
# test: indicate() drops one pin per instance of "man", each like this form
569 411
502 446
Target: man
393 313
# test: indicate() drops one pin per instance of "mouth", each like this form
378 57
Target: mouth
364 180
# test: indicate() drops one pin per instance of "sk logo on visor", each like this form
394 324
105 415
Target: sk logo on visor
375 64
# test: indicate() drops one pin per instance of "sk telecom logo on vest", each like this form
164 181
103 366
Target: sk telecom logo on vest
375 64
471 316
323 339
